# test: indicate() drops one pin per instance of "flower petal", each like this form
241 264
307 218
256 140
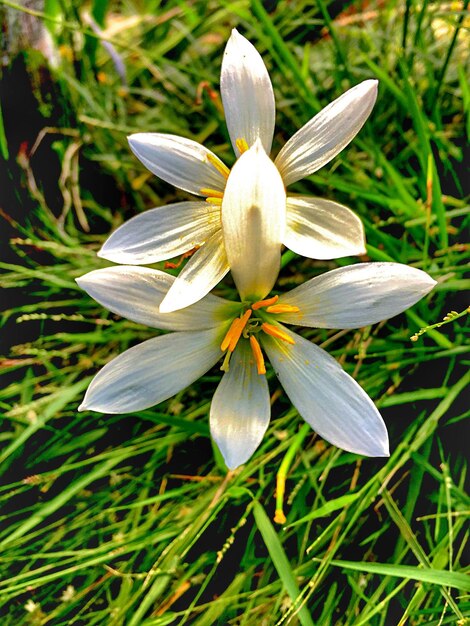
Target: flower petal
326 134
162 233
181 162
332 402
136 293
201 273
247 94
152 371
357 295
322 229
240 408
253 222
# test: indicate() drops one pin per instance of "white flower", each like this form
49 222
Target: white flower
312 227
325 396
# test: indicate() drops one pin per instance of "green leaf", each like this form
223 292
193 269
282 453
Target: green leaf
433 576
329 507
3 139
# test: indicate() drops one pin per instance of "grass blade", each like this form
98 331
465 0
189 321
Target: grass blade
443 578
280 560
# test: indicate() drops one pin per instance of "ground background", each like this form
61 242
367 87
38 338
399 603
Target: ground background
132 519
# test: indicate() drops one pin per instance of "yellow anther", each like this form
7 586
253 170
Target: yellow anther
277 332
282 308
242 145
217 201
279 517
217 163
226 340
259 359
261 303
212 193
237 332
234 332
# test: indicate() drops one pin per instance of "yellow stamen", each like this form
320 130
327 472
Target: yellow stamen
262 303
282 308
277 332
234 332
228 337
242 145
213 193
217 163
237 332
217 201
259 359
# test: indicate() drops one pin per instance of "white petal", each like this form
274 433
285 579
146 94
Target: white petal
357 295
201 273
162 233
326 134
253 222
332 402
136 293
247 94
322 229
240 409
152 371
179 161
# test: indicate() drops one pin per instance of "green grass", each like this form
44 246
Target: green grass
132 519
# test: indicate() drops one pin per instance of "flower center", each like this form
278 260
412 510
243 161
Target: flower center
249 325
